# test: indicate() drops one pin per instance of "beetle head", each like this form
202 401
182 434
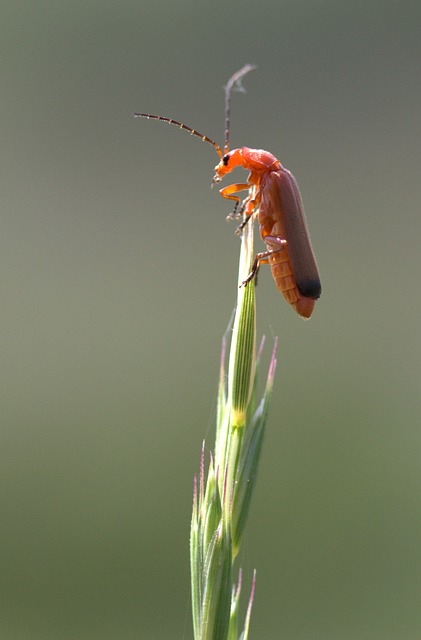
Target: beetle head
227 163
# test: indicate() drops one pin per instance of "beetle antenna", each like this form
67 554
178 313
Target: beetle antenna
234 80
193 132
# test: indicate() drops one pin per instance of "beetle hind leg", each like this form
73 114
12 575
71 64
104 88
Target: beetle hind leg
263 257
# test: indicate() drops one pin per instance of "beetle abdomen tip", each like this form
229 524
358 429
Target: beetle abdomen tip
304 307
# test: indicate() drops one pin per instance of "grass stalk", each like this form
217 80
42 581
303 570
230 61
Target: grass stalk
221 502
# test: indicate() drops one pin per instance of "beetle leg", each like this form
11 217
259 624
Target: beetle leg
229 191
274 241
263 257
238 210
248 209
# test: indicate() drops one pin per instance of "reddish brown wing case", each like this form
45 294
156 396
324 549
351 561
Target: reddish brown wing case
286 199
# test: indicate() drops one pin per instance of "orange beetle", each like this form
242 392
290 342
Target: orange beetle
274 198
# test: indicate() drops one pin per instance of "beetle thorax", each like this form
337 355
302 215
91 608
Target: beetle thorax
258 160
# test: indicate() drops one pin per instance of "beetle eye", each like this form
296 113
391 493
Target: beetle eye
225 160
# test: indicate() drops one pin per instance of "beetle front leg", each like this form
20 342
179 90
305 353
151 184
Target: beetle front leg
229 191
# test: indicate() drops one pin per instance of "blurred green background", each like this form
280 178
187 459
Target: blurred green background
118 278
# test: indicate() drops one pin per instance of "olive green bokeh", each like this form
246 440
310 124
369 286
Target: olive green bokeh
118 277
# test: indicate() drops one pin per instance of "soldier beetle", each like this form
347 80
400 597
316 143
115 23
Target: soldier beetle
274 198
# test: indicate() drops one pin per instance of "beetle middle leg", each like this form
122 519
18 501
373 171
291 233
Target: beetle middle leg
248 208
263 257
